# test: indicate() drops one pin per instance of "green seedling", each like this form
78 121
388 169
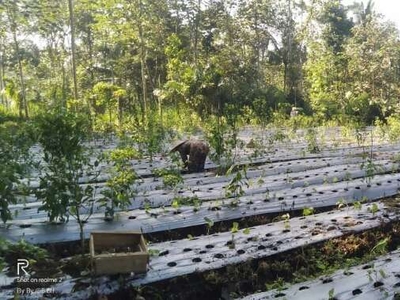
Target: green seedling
210 224
341 203
381 247
373 209
286 219
307 211
246 231
357 205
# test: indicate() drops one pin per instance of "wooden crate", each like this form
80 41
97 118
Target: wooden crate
113 263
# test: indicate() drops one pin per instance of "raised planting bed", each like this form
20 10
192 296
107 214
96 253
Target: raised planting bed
156 220
118 252
378 279
276 176
201 254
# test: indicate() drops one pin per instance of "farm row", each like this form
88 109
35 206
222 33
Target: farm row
219 221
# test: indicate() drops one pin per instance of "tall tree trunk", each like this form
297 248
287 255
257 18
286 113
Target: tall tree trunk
11 14
23 103
142 63
196 32
72 26
2 85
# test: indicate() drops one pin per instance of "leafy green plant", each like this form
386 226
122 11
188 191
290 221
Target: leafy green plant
357 205
172 180
246 230
373 209
312 143
154 252
234 229
15 162
10 252
210 224
61 135
341 203
370 169
307 211
235 186
119 190
331 294
149 135
215 137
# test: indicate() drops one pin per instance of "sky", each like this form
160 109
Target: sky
389 8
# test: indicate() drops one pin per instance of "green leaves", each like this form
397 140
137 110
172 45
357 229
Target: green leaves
15 161
120 189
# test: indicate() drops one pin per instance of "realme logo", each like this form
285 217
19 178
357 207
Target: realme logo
21 265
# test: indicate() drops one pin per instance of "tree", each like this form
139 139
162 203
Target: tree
14 11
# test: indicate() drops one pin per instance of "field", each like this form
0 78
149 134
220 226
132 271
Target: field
295 218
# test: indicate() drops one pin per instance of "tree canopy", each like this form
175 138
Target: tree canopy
117 59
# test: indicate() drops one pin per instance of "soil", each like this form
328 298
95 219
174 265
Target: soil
125 249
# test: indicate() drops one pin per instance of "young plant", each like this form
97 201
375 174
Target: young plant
373 209
286 221
61 136
357 205
210 224
235 186
341 203
311 138
234 229
119 190
307 211
381 247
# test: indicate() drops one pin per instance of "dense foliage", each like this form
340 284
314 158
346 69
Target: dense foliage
118 61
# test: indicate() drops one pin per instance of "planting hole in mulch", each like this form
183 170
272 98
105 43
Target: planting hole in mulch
327 280
366 267
356 292
348 273
25 225
280 295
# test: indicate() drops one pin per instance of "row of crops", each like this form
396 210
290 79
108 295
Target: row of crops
233 232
